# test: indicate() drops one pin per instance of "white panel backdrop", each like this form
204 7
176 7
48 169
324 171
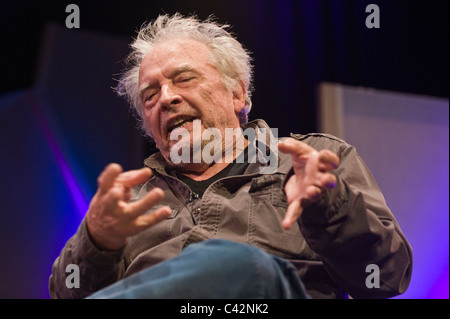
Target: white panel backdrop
404 139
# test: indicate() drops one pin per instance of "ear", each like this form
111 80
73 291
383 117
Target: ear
239 94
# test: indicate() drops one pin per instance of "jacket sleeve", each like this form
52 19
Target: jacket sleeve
90 268
355 233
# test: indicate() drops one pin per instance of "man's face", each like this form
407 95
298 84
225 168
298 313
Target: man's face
178 84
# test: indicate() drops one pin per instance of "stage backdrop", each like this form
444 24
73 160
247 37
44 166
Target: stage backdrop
56 138
61 123
404 139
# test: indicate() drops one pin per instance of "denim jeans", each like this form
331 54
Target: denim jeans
213 269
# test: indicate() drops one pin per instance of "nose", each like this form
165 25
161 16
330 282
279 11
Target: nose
169 97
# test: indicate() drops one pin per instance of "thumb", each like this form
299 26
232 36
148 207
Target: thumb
293 213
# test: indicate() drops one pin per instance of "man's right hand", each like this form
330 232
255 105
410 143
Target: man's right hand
111 218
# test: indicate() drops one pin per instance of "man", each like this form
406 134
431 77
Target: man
212 216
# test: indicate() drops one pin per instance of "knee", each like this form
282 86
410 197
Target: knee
235 260
224 252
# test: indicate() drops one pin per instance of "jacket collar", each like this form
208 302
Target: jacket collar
265 139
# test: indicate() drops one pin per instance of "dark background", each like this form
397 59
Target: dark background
296 45
61 123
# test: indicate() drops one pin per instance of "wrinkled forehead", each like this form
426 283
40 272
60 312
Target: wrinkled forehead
172 53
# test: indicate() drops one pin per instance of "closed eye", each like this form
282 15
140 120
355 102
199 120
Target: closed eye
150 96
183 78
149 99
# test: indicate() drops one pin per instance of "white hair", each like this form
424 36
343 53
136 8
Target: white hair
232 61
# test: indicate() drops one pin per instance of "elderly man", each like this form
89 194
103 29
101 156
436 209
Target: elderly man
211 215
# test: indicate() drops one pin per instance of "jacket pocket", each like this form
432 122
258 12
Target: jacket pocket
268 205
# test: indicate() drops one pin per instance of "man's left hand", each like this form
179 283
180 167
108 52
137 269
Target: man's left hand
311 177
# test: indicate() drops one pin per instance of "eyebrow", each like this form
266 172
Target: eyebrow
186 67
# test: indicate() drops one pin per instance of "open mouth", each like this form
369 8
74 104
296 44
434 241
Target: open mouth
179 122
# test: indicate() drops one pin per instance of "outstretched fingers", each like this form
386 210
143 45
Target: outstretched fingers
137 210
108 176
141 206
134 177
147 220
312 176
328 180
328 160
294 147
293 212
